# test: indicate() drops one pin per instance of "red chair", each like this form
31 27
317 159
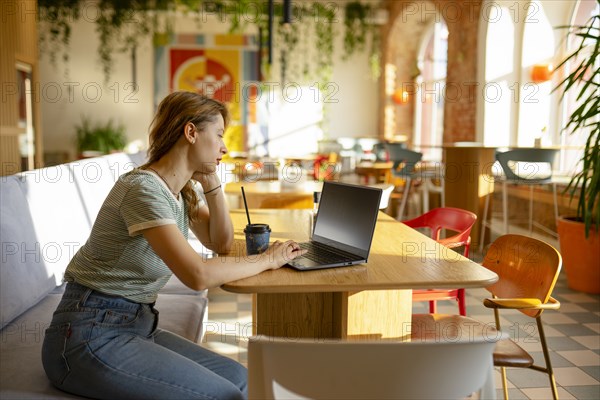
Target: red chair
453 219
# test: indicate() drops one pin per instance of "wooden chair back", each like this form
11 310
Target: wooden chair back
527 268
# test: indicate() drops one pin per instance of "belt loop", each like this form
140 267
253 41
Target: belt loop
155 315
84 297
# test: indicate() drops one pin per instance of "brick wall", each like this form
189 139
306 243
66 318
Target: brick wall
460 109
400 40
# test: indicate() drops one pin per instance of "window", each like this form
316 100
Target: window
500 78
429 110
516 110
572 142
535 98
287 122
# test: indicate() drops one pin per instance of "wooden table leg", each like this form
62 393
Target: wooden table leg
377 314
295 315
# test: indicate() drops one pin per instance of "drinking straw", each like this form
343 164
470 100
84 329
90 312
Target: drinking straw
246 206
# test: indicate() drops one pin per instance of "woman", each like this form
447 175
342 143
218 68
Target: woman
103 341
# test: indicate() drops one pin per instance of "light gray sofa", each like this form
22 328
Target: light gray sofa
46 215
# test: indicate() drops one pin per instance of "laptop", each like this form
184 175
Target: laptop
344 227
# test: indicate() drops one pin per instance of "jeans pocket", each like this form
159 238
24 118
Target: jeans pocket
116 318
54 360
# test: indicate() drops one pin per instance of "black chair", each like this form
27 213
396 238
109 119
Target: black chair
404 168
532 166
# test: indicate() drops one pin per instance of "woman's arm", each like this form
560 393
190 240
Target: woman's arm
199 273
212 225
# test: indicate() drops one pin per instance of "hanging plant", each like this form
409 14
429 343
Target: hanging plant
122 24
236 10
294 62
56 18
375 53
304 31
355 22
289 39
358 30
324 19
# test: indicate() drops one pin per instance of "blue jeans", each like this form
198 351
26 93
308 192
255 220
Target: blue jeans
108 347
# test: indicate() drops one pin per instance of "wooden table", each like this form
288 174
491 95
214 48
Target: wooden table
372 300
240 169
380 171
273 193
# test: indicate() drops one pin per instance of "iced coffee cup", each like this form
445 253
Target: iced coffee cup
257 238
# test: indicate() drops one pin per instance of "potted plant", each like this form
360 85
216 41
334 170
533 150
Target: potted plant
579 236
98 139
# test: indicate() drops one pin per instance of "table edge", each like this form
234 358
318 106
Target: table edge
318 288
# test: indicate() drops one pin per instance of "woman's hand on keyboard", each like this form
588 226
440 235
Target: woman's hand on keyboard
279 253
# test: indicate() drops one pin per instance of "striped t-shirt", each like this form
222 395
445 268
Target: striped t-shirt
116 259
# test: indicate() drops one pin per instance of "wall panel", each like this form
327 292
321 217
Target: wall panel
18 43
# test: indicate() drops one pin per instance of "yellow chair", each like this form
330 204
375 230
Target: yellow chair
527 269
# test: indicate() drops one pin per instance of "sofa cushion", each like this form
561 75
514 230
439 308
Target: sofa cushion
120 163
59 218
94 180
139 158
96 176
24 276
21 369
175 286
183 314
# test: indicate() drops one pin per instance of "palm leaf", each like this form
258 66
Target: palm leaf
585 77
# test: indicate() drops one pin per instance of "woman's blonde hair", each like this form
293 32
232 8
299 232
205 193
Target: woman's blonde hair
174 112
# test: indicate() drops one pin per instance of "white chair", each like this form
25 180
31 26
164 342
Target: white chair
430 177
328 369
386 193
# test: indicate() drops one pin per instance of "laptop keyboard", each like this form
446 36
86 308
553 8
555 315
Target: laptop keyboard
323 254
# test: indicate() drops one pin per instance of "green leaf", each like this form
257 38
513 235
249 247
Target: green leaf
585 77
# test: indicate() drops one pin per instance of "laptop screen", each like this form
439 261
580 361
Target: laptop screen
347 215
